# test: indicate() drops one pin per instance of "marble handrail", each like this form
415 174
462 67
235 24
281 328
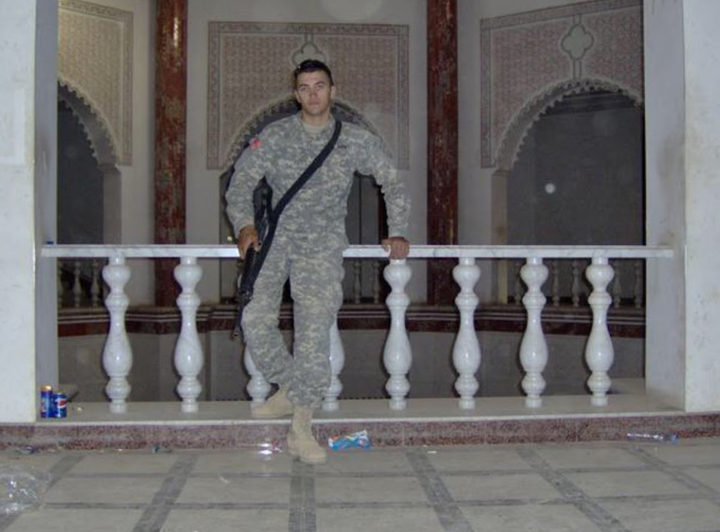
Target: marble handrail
416 251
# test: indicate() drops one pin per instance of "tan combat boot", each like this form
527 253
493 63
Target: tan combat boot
300 440
277 406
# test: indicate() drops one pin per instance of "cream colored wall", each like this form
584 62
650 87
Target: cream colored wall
203 206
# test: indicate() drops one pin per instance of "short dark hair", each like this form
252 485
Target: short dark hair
312 65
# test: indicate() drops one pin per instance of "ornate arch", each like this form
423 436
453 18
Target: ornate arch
96 128
519 126
98 135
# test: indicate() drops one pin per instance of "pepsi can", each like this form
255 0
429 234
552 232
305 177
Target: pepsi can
59 403
46 401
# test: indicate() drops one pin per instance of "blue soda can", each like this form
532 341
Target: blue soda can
46 401
59 402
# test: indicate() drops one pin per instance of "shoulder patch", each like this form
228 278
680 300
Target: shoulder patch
255 143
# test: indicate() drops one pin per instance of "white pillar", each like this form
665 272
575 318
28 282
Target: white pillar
702 161
28 140
682 73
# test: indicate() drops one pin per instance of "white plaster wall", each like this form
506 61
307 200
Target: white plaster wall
203 205
702 161
665 197
46 189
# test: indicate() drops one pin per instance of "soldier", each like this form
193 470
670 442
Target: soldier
307 247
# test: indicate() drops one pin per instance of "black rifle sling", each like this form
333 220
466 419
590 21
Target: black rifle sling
255 262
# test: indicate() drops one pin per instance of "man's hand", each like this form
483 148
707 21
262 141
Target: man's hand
247 237
397 246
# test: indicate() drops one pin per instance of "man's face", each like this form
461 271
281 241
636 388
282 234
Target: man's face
315 95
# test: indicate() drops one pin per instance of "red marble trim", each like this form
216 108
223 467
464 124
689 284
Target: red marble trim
383 433
170 141
626 323
442 180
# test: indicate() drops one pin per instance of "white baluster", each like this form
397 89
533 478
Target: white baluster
466 351
617 286
517 288
77 287
556 283
376 281
533 348
337 362
599 353
639 295
188 355
357 284
117 354
59 284
396 355
258 388
576 288
95 287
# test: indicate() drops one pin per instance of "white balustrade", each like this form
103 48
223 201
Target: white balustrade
397 355
188 356
117 355
599 353
337 362
466 350
257 387
533 348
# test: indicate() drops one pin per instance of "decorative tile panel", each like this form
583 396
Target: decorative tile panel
250 71
531 60
95 62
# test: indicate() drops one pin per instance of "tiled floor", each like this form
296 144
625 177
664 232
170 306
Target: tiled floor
579 487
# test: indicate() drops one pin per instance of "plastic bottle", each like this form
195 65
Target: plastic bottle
652 436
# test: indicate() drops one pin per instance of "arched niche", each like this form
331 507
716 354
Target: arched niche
101 202
563 196
517 133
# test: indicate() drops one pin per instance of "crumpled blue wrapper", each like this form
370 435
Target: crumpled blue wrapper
356 440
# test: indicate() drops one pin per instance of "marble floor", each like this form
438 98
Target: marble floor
598 486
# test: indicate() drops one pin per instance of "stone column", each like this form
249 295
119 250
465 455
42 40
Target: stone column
682 115
28 141
170 132
442 185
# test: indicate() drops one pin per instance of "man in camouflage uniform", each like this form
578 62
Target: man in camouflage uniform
308 245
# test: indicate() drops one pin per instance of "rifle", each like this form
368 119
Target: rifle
262 209
266 220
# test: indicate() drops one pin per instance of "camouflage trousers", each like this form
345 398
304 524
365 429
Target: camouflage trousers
316 288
